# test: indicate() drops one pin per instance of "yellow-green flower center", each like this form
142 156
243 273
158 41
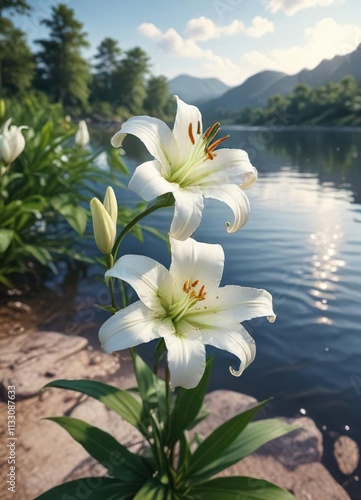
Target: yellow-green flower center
191 296
203 150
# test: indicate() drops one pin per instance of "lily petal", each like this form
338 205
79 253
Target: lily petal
196 261
242 303
186 355
155 135
187 129
234 197
136 324
237 342
187 212
227 165
150 280
148 181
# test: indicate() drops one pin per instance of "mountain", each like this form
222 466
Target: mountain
257 89
196 90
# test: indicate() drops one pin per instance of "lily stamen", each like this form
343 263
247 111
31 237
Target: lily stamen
190 133
211 129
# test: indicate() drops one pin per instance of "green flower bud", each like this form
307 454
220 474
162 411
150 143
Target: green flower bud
111 205
103 227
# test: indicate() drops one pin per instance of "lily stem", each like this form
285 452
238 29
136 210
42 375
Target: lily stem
164 201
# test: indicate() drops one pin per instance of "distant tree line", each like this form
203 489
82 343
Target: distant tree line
330 104
117 83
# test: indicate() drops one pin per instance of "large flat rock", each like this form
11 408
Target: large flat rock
47 455
31 361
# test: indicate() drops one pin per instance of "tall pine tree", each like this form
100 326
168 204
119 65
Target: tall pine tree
107 63
62 71
16 62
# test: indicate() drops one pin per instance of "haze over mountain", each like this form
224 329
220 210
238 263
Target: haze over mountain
257 89
196 90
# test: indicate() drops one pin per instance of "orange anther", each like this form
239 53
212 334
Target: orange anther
190 133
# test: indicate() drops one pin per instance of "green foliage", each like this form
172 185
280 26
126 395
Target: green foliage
45 192
62 71
16 73
119 87
19 6
331 104
162 417
157 96
91 488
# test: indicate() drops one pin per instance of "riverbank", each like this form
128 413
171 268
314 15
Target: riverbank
46 455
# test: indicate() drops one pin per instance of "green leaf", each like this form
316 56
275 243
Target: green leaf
45 134
184 453
231 488
187 406
41 254
151 388
116 458
117 400
217 442
91 488
115 162
152 490
6 236
255 435
75 215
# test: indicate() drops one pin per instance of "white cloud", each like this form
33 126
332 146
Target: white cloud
203 28
171 43
290 7
324 41
260 26
149 30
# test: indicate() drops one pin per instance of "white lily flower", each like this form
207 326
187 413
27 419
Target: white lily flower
187 164
187 308
12 142
82 134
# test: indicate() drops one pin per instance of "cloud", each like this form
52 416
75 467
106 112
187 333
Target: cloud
203 28
171 43
324 40
319 45
260 26
149 30
290 7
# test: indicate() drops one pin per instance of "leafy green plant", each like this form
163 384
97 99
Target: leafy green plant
44 192
172 466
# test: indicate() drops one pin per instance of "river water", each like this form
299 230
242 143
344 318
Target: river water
303 244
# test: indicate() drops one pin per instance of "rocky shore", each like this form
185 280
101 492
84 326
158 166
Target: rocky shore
46 455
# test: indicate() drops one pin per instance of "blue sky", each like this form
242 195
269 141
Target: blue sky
226 39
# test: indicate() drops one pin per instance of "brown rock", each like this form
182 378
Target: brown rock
347 454
291 461
31 361
47 455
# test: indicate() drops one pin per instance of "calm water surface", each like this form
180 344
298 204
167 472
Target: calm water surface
303 244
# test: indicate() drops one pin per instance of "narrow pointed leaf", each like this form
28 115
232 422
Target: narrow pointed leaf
222 437
117 400
116 458
91 488
152 490
253 437
151 388
230 488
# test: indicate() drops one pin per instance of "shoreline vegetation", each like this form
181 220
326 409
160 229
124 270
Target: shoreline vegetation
115 84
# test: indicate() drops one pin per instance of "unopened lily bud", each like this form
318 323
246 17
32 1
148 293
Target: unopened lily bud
2 109
111 204
12 142
82 134
105 221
